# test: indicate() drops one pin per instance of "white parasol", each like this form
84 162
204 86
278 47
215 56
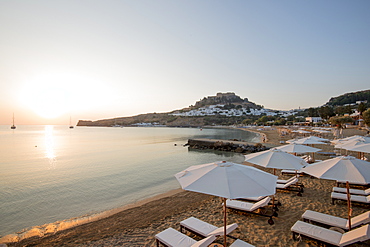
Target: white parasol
227 180
345 169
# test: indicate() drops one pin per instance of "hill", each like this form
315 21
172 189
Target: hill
350 98
224 99
227 100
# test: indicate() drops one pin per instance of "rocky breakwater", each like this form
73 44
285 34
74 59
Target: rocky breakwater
226 145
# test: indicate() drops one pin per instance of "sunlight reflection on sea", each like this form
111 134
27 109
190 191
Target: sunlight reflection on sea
52 173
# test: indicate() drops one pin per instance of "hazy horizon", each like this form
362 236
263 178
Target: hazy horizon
90 60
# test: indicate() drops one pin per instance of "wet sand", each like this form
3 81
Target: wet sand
138 224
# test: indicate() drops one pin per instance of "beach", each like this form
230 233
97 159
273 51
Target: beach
137 224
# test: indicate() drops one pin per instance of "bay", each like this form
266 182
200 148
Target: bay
52 173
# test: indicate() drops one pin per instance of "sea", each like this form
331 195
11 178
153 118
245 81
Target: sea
53 173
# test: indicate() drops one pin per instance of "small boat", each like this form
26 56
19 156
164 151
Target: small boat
70 123
13 126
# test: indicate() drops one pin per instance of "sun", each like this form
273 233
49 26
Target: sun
46 98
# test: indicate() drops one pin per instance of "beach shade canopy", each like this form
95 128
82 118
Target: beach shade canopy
351 139
227 180
297 148
363 148
311 140
277 159
343 169
349 145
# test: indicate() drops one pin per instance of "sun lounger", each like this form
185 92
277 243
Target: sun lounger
366 185
330 236
282 181
258 198
352 191
291 186
354 198
292 172
172 238
240 243
253 208
333 221
204 229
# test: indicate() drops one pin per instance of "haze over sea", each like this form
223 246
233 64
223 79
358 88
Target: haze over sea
52 173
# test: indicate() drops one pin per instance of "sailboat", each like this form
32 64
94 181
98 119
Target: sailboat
13 126
70 123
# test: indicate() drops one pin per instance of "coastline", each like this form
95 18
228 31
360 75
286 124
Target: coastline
136 224
52 228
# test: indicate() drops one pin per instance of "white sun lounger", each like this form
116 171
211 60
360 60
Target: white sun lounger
335 221
292 185
256 198
205 229
172 238
352 191
240 243
354 198
249 207
330 236
286 171
282 181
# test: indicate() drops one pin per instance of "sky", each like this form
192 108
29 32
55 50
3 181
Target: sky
70 60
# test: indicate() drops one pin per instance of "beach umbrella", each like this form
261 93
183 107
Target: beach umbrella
363 148
351 138
352 144
277 159
228 181
346 169
311 140
360 148
297 148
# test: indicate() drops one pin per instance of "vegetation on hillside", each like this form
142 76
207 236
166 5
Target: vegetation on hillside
350 98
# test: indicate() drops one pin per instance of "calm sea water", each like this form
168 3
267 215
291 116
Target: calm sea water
52 173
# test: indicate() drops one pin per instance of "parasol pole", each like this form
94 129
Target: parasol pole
225 222
349 206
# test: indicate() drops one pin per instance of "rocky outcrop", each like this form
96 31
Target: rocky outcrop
226 145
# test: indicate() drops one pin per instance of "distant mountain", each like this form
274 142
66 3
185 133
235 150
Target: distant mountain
349 98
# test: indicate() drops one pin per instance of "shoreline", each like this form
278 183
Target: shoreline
162 211
52 228
61 225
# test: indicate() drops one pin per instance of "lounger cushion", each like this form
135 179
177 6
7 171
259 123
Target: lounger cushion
330 236
256 198
356 235
247 206
240 243
325 219
291 171
283 186
204 242
352 191
354 198
331 220
205 229
282 181
317 232
361 219
171 237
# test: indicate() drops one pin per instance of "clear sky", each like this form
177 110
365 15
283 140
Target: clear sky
95 59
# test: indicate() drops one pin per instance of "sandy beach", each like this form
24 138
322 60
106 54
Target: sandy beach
137 225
